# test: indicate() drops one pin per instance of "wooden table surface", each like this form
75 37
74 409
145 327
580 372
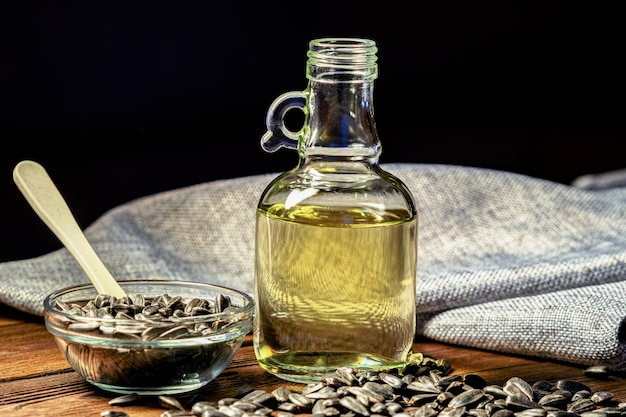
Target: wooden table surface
36 380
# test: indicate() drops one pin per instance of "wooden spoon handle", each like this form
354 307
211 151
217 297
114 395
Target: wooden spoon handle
46 200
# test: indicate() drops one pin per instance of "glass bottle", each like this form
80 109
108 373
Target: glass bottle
336 236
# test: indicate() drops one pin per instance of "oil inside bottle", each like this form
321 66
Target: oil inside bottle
334 288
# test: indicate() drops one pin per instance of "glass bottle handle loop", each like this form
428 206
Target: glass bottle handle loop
278 135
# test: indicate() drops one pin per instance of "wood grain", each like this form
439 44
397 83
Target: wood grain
36 380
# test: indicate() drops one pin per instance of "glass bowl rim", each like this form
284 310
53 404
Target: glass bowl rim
223 334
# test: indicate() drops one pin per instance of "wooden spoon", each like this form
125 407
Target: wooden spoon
44 197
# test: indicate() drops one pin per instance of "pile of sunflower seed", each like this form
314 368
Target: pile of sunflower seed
425 390
147 319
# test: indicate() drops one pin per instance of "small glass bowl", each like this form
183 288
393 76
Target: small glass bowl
125 347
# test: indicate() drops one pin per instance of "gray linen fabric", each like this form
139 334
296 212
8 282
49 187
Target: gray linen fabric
506 262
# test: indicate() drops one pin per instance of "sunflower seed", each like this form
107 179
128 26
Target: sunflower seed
113 413
167 401
600 397
124 399
466 398
517 386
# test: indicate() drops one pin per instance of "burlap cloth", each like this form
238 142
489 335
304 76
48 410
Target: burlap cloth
507 262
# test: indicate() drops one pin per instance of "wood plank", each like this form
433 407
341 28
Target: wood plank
36 380
40 355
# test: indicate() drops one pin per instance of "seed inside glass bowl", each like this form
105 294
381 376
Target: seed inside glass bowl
160 344
137 316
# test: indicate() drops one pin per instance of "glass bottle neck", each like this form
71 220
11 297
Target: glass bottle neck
339 122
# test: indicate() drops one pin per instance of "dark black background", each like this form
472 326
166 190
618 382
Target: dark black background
121 99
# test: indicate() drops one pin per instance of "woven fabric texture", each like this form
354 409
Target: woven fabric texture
506 262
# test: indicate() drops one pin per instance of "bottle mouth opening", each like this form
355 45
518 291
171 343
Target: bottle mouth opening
351 56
